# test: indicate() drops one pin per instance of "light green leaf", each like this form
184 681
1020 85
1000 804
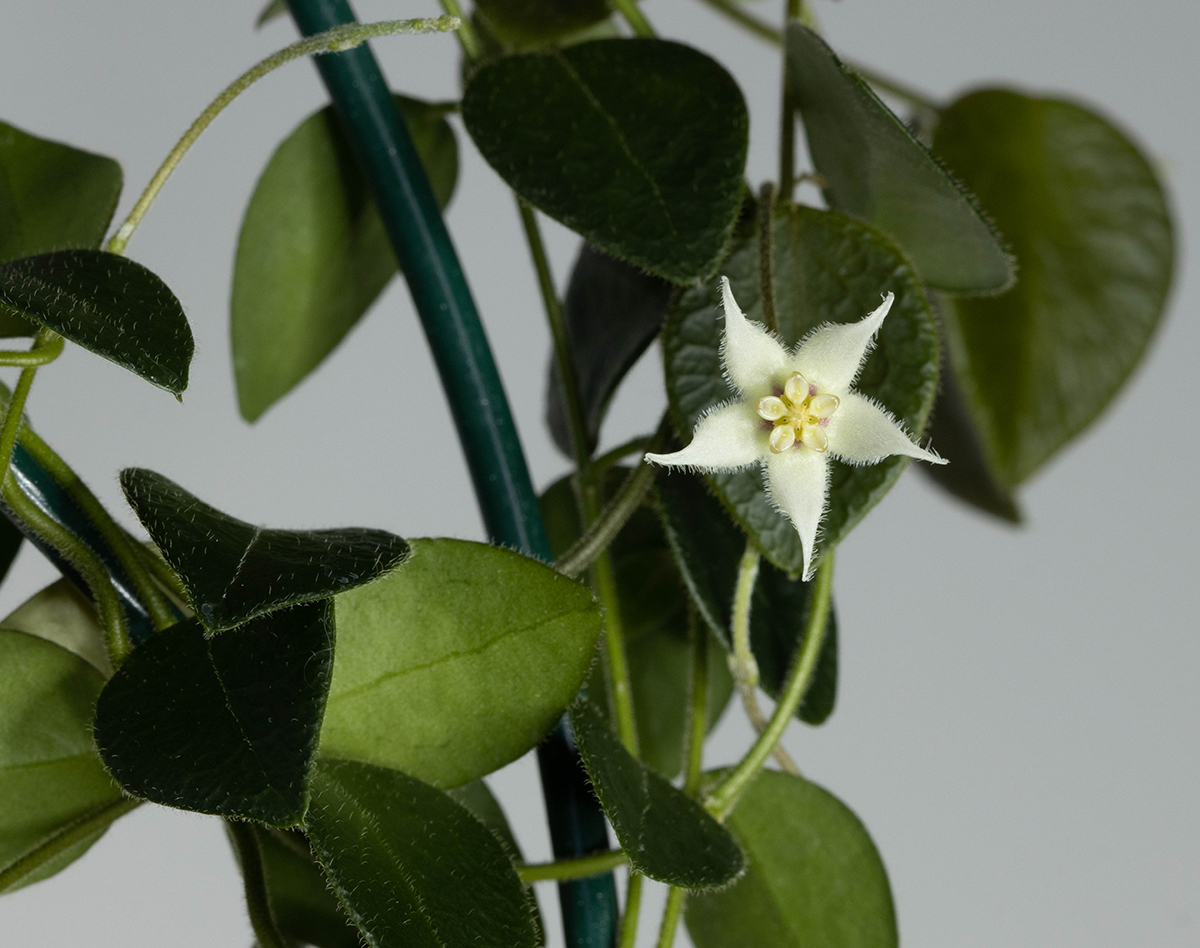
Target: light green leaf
1091 229
50 773
60 613
814 876
877 171
413 868
458 663
313 254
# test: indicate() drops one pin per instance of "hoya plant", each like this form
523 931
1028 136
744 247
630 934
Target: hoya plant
968 286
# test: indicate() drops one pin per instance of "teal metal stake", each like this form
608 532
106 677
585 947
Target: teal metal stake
489 437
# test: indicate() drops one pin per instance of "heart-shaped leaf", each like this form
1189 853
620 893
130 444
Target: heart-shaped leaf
313 254
666 834
827 268
654 620
1091 229
814 877
708 548
413 868
303 905
458 663
224 724
50 774
110 305
234 571
876 170
638 145
613 312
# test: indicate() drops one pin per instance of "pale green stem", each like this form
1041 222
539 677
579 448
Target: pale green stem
258 902
63 838
336 40
614 647
608 524
580 868
722 800
35 357
670 919
45 339
466 32
633 16
633 907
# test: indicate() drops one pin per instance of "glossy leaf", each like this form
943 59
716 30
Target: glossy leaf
877 171
303 905
52 197
50 773
224 724
313 254
708 548
827 268
458 663
235 571
814 876
653 607
1088 221
652 176
613 312
412 867
666 834
110 305
526 23
60 613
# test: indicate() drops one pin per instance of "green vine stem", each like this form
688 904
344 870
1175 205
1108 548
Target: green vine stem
608 524
582 867
633 16
725 796
633 906
258 902
467 37
787 115
337 39
618 454
62 839
671 913
36 357
46 339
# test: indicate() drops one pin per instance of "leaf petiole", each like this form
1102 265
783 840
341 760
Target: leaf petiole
581 867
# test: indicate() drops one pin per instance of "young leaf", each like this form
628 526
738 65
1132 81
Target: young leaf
814 876
413 868
638 145
654 621
303 905
50 774
1088 221
613 312
312 254
666 834
827 268
708 548
110 305
60 613
877 171
235 571
226 724
458 663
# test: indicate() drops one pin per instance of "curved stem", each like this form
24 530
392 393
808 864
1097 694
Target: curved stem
579 868
258 902
46 339
39 355
62 839
338 39
725 796
608 524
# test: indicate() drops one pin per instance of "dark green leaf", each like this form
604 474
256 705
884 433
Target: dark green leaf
525 23
708 548
666 834
654 622
458 663
638 145
61 614
877 171
234 570
613 312
10 545
313 254
1091 230
412 867
116 308
226 724
301 900
814 876
827 268
50 774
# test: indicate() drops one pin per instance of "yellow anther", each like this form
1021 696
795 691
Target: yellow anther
797 389
822 406
782 437
814 436
772 408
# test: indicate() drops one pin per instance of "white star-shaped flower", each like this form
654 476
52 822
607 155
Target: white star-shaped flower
796 410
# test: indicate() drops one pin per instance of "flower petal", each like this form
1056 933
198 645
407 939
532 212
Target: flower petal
799 481
832 354
862 433
753 358
728 438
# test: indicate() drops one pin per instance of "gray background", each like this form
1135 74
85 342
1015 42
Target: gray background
1017 720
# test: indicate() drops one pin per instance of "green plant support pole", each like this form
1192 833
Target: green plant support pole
477 399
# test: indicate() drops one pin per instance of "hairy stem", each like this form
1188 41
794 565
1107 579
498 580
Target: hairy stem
258 902
466 32
766 279
46 341
609 522
579 868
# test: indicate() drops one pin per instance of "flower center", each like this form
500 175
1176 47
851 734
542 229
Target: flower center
800 414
